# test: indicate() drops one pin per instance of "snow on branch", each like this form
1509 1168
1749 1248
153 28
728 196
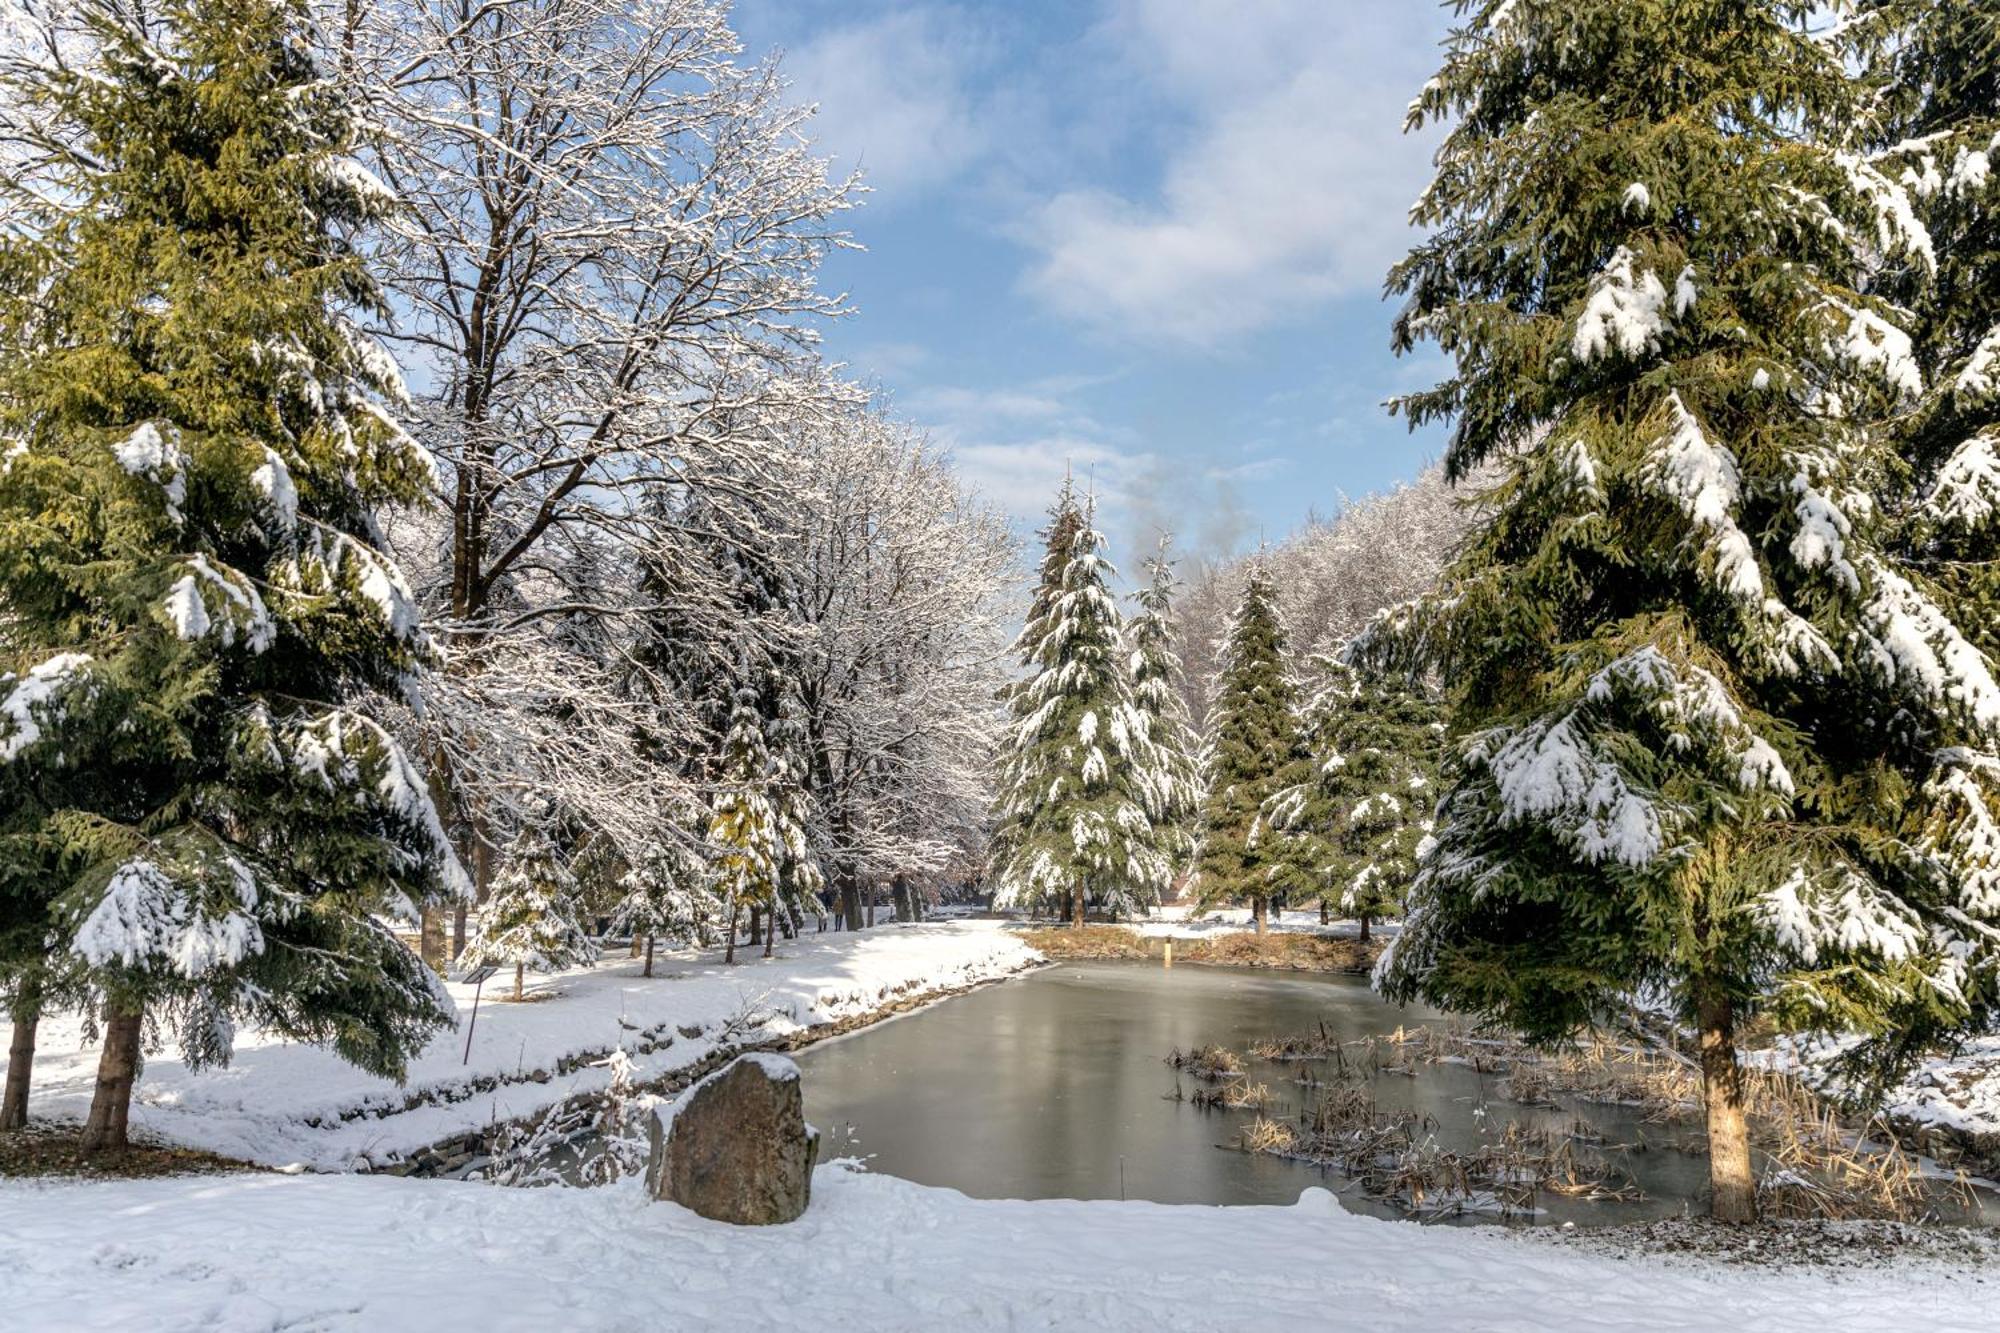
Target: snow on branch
1626 310
149 919
1912 643
1704 480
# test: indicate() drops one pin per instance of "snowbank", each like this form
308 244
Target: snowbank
380 1254
1957 1093
279 1103
1180 923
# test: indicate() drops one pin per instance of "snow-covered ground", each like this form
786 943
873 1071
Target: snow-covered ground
258 1252
1182 924
279 1103
1960 1092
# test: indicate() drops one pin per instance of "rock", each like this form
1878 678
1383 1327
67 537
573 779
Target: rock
736 1147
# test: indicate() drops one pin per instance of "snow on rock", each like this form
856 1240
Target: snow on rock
34 699
386 1256
281 1103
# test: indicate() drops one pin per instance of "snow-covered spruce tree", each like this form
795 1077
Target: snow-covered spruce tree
666 895
533 919
1254 752
1719 745
1076 761
1355 824
758 830
196 604
1936 72
1173 786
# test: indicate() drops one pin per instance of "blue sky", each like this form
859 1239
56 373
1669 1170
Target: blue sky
1143 238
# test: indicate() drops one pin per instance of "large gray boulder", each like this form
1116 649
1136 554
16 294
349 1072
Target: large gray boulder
736 1146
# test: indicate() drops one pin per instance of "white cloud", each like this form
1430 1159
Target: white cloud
1287 186
1022 477
1014 443
893 98
952 403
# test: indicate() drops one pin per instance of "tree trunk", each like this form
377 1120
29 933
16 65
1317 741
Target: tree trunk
117 1068
756 923
729 952
1260 909
520 975
1364 928
1733 1189
458 917
430 938
1324 919
770 931
1078 903
27 1015
649 956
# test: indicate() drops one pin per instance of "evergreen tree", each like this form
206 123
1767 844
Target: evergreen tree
762 860
534 916
666 896
197 602
1174 784
1354 825
1076 771
1719 744
728 665
1012 817
1936 70
1254 752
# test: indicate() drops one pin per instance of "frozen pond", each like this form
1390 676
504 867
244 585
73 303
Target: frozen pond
1056 1086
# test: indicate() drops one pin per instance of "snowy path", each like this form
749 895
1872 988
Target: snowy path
279 1103
379 1254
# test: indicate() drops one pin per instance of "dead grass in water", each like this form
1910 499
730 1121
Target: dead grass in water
1209 1062
1396 1158
1087 943
1815 1164
1282 951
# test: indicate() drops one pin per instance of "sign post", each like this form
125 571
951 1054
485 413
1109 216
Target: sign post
478 980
